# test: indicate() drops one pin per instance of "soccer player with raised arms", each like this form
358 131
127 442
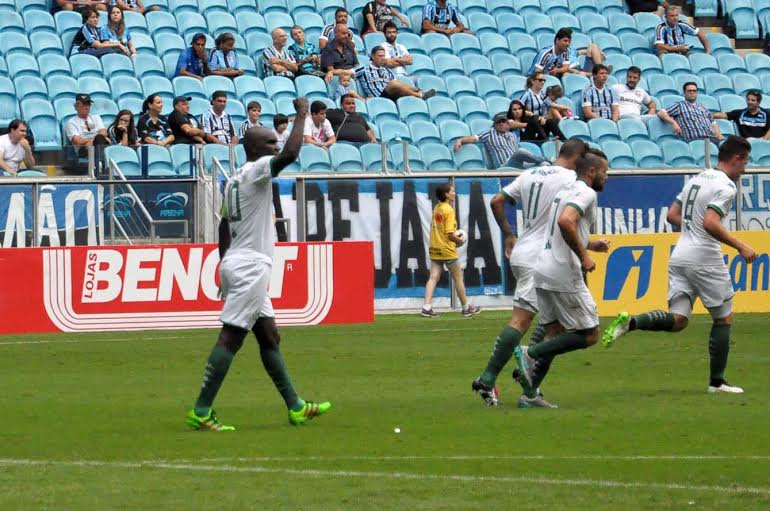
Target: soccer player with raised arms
246 245
697 268
533 191
567 308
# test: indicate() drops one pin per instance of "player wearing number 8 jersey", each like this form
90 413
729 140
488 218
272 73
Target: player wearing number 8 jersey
246 248
534 191
697 268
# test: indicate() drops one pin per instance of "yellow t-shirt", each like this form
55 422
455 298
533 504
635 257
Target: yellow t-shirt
443 222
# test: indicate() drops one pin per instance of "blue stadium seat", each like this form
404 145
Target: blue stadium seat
489 86
620 64
47 133
84 66
251 23
22 65
681 79
506 65
574 128
381 109
219 22
698 150
371 157
427 82
718 84
135 22
702 63
566 20
573 86
720 43
479 126
608 7
757 62
311 87
496 105
159 85
422 65
62 87
14 43
237 111
709 102
661 84
528 7
148 65
190 24
471 108
266 6
728 102
619 154
580 7
345 157
437 157
219 151
46 43
413 153
125 158
760 152
114 65
413 109
451 130
96 87
677 153
521 42
745 23
674 64
67 22
731 64
256 42
373 39
493 44
183 159
105 108
469 157
53 65
706 8
499 7
12 22
157 161
554 8
279 87
646 23
442 109
314 159
482 23
465 44
126 87
516 85
25 6
647 154
660 131
608 43
268 110
436 44
603 130
631 130
133 105
188 86
286 106
9 105
669 99
477 65
538 24
159 22
297 7
278 19
622 23
744 82
647 63
470 6
510 23
448 66
593 23
424 132
634 44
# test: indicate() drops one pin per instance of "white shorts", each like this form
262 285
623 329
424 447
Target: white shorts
709 283
574 310
244 288
525 296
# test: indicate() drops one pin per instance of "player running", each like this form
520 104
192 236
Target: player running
534 190
246 248
567 308
697 268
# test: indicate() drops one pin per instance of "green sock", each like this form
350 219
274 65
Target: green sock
719 347
564 343
216 369
538 334
276 369
656 320
505 343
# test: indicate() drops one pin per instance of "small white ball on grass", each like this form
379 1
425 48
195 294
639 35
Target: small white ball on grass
396 430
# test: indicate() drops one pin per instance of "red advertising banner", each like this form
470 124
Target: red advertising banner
92 289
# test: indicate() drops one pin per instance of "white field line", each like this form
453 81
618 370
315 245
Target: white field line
591 483
589 457
94 339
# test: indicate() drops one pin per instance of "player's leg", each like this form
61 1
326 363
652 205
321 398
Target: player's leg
436 267
457 277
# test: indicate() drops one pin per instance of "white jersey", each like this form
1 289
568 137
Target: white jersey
630 101
249 208
711 189
559 268
533 191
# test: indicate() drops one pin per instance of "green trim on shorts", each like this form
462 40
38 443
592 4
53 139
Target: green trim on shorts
582 213
717 209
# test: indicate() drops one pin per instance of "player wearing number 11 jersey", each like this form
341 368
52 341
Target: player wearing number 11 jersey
697 268
534 191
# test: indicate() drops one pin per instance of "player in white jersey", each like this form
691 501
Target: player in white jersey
246 252
534 191
697 268
567 308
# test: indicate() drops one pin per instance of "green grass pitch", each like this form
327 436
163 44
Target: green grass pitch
95 422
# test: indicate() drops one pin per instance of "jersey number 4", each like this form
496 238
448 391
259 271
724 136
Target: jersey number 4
233 202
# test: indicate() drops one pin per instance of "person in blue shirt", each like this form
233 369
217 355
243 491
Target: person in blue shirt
115 31
135 5
223 60
561 58
438 16
192 61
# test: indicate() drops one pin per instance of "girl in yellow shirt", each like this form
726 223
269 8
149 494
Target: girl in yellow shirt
443 252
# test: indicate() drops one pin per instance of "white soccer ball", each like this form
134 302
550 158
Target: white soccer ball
461 235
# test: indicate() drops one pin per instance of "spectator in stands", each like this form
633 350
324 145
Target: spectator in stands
502 145
377 81
635 6
318 129
691 120
536 104
305 54
329 32
555 110
85 128
115 32
253 111
631 97
185 128
277 59
753 122
349 125
438 16
562 58
218 125
152 126
599 101
223 60
15 148
344 88
378 14
192 61
397 54
281 129
527 126
122 130
78 5
669 35
88 39
135 5
338 58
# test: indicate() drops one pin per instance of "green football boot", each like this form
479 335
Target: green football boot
308 411
208 423
617 328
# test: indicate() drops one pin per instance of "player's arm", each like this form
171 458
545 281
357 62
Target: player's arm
674 216
568 222
293 144
498 210
712 223
224 237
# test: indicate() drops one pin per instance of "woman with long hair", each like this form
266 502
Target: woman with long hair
530 127
223 60
153 127
122 130
115 32
88 39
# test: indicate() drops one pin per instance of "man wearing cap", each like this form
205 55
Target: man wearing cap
193 60
185 127
217 124
85 129
501 145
